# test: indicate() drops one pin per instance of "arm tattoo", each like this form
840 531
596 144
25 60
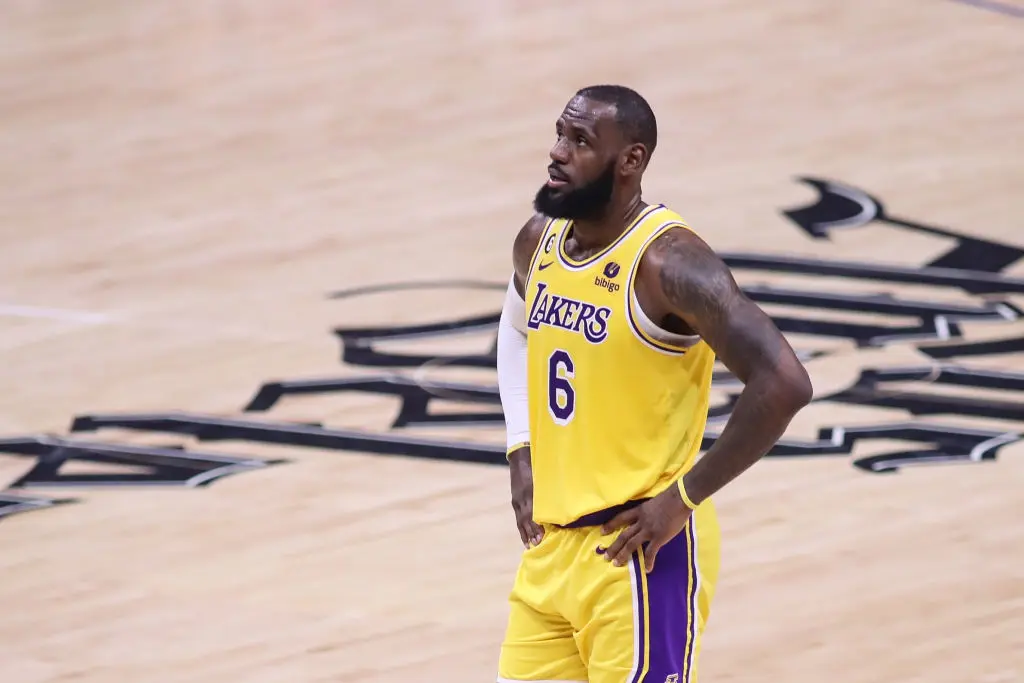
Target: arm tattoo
694 280
697 286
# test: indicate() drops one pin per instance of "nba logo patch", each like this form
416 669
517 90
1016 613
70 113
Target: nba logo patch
611 270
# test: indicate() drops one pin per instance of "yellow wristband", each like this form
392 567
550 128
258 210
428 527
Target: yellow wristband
515 447
685 496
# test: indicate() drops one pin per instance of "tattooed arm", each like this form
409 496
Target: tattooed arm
685 278
680 276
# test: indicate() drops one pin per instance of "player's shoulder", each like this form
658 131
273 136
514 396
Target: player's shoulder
675 237
528 238
678 248
533 229
662 217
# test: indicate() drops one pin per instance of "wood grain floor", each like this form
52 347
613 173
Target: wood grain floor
184 184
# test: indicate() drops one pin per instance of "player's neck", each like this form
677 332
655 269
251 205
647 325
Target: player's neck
596 234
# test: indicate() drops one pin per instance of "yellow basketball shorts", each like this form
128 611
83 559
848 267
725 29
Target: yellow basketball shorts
574 616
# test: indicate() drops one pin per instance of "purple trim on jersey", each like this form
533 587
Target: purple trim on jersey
586 263
630 288
647 339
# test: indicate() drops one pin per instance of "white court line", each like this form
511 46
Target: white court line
132 320
43 334
61 314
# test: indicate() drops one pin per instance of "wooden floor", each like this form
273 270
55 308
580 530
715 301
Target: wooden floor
193 192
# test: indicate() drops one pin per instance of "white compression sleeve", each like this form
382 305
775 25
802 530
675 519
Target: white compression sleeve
512 369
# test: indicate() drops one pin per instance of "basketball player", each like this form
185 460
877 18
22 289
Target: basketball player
611 325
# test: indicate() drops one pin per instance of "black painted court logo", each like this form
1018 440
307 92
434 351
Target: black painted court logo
948 405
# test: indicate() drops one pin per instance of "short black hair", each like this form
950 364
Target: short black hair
632 112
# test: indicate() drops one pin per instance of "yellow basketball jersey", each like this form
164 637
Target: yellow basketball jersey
616 413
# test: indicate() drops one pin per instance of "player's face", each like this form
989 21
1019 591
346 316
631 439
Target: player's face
582 172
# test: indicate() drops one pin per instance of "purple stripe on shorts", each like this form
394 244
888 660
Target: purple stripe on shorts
671 598
640 607
694 579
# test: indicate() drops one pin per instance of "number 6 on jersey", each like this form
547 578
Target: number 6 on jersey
561 395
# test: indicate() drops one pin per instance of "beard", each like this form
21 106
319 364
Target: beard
585 202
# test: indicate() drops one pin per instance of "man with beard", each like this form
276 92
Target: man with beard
612 321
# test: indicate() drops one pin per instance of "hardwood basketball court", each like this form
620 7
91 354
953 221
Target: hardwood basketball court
195 197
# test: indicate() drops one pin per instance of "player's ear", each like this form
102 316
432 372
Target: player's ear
634 159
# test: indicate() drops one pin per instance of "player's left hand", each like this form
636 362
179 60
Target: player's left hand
655 522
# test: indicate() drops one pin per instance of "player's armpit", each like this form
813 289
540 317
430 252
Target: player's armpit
693 283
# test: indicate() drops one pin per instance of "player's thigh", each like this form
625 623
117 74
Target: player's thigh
611 618
707 537
539 644
647 627
538 647
707 540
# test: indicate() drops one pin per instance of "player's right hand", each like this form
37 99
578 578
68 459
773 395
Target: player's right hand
521 480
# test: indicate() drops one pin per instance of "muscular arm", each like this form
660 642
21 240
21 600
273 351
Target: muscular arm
688 280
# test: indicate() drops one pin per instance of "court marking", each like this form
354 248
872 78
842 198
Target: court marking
61 314
993 6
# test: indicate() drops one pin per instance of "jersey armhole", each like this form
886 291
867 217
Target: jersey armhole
646 330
